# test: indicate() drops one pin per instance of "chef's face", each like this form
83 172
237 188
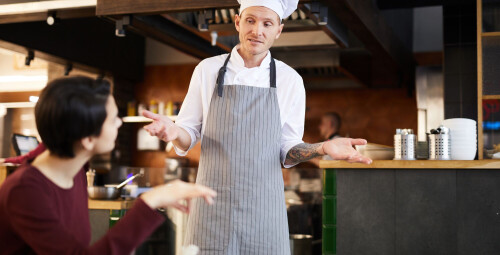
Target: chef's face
258 27
105 142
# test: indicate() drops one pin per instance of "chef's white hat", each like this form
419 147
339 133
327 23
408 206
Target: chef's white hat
282 7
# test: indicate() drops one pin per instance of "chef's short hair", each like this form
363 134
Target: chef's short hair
70 109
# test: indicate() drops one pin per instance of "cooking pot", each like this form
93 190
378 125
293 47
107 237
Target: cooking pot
109 192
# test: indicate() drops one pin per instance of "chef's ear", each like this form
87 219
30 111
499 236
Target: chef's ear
279 31
88 143
237 19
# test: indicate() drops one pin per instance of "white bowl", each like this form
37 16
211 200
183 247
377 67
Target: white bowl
462 142
464 154
464 138
462 128
464 157
459 121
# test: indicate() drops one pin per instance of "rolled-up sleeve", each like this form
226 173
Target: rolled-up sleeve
293 128
190 116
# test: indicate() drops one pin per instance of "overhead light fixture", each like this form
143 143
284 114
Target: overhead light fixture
101 76
29 57
120 26
33 99
214 35
323 16
68 69
203 18
320 11
52 18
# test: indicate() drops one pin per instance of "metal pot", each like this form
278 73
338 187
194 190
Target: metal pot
300 244
110 192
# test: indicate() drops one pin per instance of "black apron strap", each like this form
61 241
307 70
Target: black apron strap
220 77
272 72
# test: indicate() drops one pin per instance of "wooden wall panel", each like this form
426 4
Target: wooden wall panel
163 83
24 96
373 114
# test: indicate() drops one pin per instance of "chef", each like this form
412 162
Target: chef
247 109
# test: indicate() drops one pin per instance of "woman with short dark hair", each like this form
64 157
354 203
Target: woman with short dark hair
43 204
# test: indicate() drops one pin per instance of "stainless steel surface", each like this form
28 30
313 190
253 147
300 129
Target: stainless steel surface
405 144
439 144
430 98
103 193
129 179
109 192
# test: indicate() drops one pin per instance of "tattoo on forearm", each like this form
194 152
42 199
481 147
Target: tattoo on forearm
302 152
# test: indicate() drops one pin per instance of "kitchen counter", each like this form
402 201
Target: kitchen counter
415 164
411 207
5 170
110 204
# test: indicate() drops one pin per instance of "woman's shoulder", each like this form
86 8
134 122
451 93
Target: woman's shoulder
23 184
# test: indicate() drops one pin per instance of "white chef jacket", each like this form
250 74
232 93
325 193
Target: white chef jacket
290 91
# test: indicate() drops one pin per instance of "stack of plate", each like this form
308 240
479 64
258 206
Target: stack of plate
463 134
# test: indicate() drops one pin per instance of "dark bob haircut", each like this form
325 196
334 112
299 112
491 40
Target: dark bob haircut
70 109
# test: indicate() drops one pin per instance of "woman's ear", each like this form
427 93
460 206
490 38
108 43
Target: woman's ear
88 143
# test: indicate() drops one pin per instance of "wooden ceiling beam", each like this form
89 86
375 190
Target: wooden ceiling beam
334 28
114 7
87 42
171 33
41 16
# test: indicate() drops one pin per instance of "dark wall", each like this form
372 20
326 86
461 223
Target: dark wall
460 59
418 211
87 41
90 42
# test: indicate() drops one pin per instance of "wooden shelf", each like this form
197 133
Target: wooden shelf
141 119
490 34
487 97
414 164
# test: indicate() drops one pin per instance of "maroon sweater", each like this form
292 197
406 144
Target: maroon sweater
28 156
39 217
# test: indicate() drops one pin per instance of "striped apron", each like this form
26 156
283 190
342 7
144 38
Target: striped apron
240 159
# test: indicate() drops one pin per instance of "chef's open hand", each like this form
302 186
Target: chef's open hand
342 149
162 127
177 194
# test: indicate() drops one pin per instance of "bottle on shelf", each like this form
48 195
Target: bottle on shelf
169 110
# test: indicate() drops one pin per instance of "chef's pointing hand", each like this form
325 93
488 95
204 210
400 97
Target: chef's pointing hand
162 127
342 149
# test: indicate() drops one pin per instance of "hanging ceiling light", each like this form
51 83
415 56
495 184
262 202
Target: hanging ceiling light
29 57
203 18
52 18
120 26
68 69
